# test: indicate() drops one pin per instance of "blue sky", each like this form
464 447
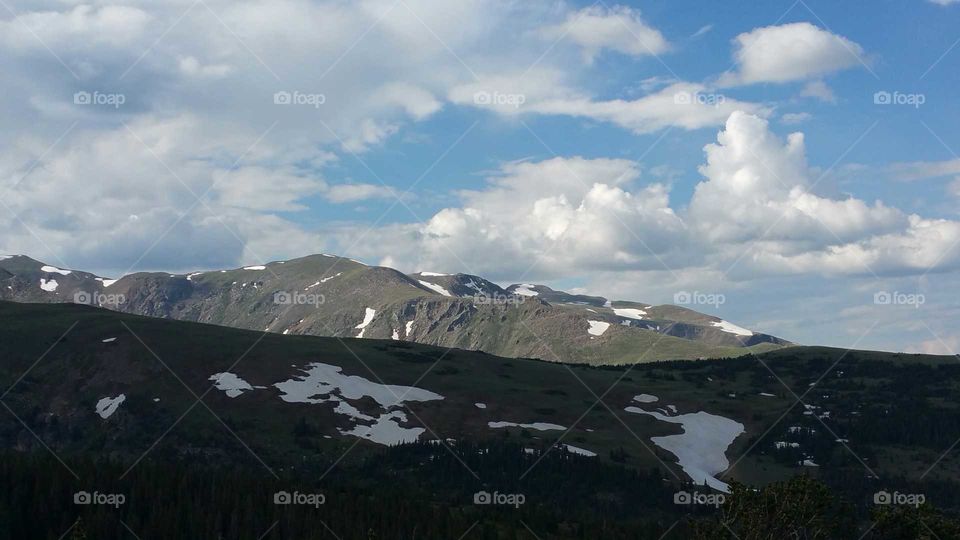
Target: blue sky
637 150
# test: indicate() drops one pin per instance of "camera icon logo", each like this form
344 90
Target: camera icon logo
482 497
482 98
682 298
282 298
282 98
882 497
282 497
682 497
82 297
682 98
882 298
882 98
82 497
82 98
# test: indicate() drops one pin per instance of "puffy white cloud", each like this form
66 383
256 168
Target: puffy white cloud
791 52
343 193
620 29
818 90
795 118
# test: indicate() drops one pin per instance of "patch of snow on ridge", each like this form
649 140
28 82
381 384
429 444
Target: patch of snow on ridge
108 340
54 269
480 405
396 335
323 383
108 405
539 426
525 289
597 328
576 450
409 327
367 318
433 274
231 383
107 282
645 398
48 286
434 287
731 328
629 313
257 267
326 279
387 430
701 448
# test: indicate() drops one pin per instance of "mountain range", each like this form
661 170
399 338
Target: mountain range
327 295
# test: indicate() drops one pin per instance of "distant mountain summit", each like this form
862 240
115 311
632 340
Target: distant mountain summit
327 295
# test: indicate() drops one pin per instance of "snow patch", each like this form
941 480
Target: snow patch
576 450
629 313
408 327
701 448
731 328
525 289
108 340
645 398
480 405
597 328
367 318
48 286
539 426
106 282
433 274
434 287
323 383
231 384
257 267
396 335
108 405
54 269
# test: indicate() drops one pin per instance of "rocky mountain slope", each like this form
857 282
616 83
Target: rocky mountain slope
325 295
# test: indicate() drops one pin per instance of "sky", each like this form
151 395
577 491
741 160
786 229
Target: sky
791 166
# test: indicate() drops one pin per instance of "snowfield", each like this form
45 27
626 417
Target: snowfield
731 328
576 450
324 383
435 288
54 270
108 405
367 318
48 286
539 426
231 384
433 274
597 328
645 398
257 267
525 289
701 448
629 313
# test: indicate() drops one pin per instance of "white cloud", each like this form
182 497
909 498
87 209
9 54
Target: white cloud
945 2
795 118
818 90
791 52
342 193
619 29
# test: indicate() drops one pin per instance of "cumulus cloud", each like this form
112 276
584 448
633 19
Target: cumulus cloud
757 209
619 29
791 52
